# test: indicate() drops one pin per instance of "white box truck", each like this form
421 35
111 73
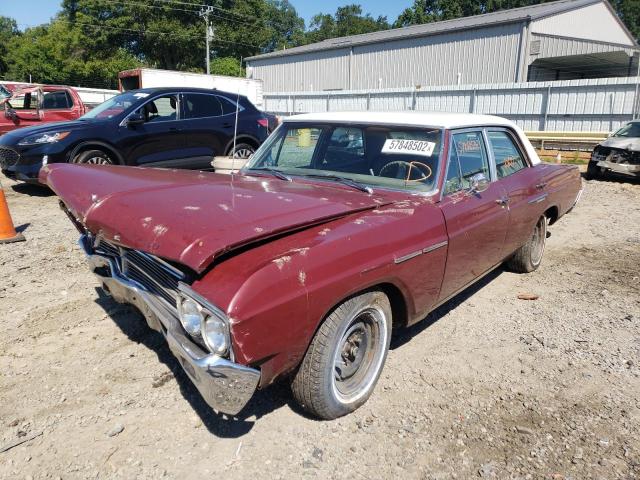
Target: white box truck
152 78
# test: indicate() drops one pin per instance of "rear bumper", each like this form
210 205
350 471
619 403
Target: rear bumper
625 168
226 386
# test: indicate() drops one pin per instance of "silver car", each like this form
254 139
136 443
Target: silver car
619 153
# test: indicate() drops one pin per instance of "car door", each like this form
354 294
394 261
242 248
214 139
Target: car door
208 127
476 221
158 141
57 105
521 184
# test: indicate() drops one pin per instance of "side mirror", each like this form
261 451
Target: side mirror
479 183
135 119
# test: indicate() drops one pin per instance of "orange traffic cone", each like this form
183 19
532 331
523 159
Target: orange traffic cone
8 232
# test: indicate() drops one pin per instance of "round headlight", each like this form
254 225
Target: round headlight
216 336
191 317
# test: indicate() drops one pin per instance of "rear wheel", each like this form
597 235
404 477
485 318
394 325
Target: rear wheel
529 257
345 358
242 150
93 157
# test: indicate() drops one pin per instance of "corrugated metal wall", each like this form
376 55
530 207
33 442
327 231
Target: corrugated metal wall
326 70
438 59
431 60
573 105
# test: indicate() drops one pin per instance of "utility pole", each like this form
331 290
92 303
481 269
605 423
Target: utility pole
209 31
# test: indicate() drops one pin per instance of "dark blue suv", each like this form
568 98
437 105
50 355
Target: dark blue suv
154 127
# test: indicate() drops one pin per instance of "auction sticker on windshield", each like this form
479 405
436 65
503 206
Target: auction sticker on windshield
408 147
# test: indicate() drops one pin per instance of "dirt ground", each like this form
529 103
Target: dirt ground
488 386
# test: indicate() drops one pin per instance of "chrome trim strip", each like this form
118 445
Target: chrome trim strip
406 257
538 199
435 246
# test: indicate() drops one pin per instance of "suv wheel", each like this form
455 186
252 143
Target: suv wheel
93 157
242 150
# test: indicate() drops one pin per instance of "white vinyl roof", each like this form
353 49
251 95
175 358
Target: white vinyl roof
418 119
408 118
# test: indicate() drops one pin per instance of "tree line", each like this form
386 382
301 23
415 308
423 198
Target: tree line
89 41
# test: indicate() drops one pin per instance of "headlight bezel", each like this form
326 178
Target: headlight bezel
207 311
44 138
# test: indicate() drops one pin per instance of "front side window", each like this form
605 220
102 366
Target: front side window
396 157
508 157
161 109
25 101
468 158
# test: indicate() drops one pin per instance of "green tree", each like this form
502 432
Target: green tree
348 20
629 13
8 30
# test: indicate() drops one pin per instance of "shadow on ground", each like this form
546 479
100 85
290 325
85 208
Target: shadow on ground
134 326
32 190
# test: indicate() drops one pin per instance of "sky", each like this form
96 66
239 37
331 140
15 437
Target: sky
35 12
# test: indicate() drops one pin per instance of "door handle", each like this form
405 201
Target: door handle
227 125
502 201
540 186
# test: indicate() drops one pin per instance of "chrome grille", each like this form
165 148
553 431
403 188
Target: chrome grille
8 157
153 274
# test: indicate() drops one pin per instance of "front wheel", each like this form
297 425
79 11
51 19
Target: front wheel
594 172
529 256
93 157
345 358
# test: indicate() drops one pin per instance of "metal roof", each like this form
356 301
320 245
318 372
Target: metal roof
532 12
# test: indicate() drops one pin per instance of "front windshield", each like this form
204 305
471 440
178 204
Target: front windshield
629 130
376 155
115 105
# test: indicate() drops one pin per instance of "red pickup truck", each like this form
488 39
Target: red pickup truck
30 105
342 228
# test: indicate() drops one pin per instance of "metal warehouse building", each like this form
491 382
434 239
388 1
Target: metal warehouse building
568 39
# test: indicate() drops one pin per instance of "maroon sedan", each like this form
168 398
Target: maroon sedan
341 228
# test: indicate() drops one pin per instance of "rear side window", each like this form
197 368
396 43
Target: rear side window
509 159
468 157
57 101
199 105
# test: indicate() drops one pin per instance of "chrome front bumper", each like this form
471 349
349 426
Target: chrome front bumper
627 168
224 385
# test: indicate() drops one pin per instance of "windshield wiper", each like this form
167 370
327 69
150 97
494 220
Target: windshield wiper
273 171
343 180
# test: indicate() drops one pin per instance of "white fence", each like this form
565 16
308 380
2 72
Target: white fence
570 105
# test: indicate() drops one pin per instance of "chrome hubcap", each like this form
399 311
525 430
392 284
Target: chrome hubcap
98 161
243 153
538 240
359 355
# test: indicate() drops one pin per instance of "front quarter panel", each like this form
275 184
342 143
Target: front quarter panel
277 294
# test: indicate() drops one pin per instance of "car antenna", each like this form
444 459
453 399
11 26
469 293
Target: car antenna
235 129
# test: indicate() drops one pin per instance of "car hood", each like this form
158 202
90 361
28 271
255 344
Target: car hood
193 217
17 135
624 143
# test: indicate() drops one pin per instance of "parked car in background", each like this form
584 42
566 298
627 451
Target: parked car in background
154 78
341 227
157 127
619 153
29 105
